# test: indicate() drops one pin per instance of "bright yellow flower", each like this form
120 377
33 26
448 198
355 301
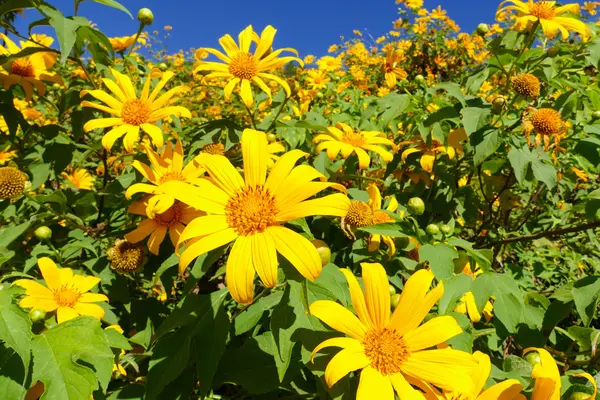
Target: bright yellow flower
272 150
317 79
381 217
122 43
164 167
309 59
79 178
12 182
329 63
130 113
509 389
241 67
30 70
546 375
172 221
65 293
250 212
467 303
548 15
429 151
342 138
393 353
7 154
392 69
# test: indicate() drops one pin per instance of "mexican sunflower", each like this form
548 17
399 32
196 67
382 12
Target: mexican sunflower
429 151
392 70
467 304
240 67
65 293
381 217
393 352
129 112
171 221
342 138
79 178
31 70
548 14
250 212
164 167
509 389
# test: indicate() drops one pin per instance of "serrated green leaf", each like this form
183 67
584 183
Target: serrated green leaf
440 257
586 294
15 327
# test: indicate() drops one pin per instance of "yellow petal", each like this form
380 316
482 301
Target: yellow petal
50 272
35 302
334 205
507 390
254 151
246 93
343 342
92 310
204 245
34 289
358 298
204 195
344 362
264 258
109 139
374 196
92 298
338 318
203 226
223 173
299 251
482 372
83 283
376 293
239 272
282 169
591 379
156 239
155 134
404 389
433 332
373 385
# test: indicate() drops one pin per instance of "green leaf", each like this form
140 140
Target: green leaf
453 90
508 303
210 344
585 295
395 104
116 340
387 229
12 233
63 358
455 288
114 4
486 143
520 161
15 327
12 374
169 359
252 315
66 29
13 5
474 118
544 171
440 258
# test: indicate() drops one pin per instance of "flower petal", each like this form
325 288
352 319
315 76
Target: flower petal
433 332
50 272
34 289
358 298
239 272
264 258
343 342
373 385
254 151
93 310
343 363
204 245
299 251
65 313
376 293
338 318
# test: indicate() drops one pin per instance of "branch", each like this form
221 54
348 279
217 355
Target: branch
554 232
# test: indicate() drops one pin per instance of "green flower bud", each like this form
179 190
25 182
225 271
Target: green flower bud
323 250
416 206
43 233
145 16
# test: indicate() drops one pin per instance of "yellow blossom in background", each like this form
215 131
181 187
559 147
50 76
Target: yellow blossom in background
317 79
548 14
394 351
122 43
343 139
429 151
171 221
251 211
65 293
79 178
411 3
273 149
329 64
309 59
467 303
392 69
164 167
7 154
130 113
547 377
240 67
28 71
381 217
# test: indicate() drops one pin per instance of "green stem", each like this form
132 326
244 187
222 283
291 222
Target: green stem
137 35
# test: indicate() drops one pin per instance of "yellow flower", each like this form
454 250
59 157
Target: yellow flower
126 257
122 43
429 151
546 375
30 70
250 212
172 221
12 182
547 125
309 59
393 352
317 79
527 85
272 150
80 178
7 154
548 15
381 217
509 389
392 70
65 293
241 67
581 174
329 63
467 303
130 113
342 138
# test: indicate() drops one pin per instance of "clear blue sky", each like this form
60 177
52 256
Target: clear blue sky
310 26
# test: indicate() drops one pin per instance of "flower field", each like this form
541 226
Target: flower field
410 216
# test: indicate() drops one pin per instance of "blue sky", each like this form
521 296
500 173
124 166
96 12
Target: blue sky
310 26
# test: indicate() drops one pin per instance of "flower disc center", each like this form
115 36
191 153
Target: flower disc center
172 215
547 121
386 350
243 66
542 10
12 182
23 67
251 211
355 138
359 214
135 112
66 297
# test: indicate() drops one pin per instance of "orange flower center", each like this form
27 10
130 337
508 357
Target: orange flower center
355 138
386 350
214 148
12 182
66 297
547 121
251 211
381 217
243 66
169 217
359 214
171 176
135 112
542 10
23 67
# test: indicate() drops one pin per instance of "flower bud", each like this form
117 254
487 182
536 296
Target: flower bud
145 16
